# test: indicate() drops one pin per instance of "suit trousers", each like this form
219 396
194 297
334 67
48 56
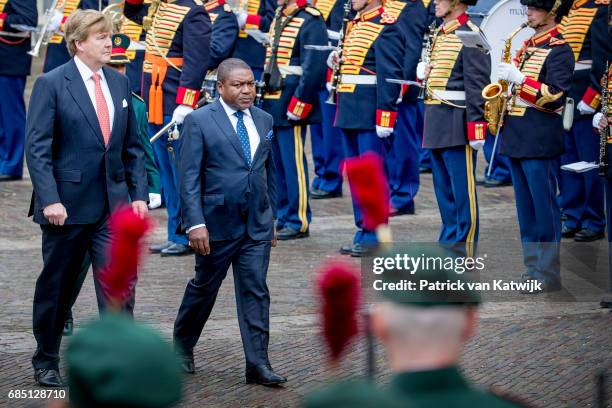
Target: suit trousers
402 158
12 125
326 149
167 165
249 260
64 249
582 194
539 216
454 173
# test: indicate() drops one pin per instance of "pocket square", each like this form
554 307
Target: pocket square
270 135
124 104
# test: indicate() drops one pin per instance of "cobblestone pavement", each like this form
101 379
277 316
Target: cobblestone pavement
547 352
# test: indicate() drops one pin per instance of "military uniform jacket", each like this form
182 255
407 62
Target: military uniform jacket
609 116
411 19
180 35
585 29
303 70
57 53
14 58
332 12
458 76
224 32
260 14
534 126
372 52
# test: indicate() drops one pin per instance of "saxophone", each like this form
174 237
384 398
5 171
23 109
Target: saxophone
604 134
496 94
335 82
426 57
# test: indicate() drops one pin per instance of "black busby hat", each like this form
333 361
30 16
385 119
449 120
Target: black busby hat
469 2
559 8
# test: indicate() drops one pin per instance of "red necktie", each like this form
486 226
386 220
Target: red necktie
101 109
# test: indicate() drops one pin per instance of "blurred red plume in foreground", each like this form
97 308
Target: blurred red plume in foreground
127 230
339 285
370 189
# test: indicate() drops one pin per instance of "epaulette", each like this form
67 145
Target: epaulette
313 11
556 41
603 2
473 26
138 96
387 18
227 8
198 2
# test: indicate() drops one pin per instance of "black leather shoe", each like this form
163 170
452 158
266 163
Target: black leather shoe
68 327
396 213
567 232
346 249
424 170
186 362
264 375
606 301
156 249
4 177
480 180
588 235
288 233
48 377
319 194
491 182
176 250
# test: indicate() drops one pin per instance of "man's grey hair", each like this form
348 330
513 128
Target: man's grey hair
228 66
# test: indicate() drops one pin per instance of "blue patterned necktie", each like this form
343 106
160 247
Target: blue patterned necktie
243 136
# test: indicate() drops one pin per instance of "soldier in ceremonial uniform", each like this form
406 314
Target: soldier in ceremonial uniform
253 15
134 69
533 136
57 52
15 66
582 194
224 34
454 123
176 59
293 105
425 154
402 158
423 334
367 103
324 137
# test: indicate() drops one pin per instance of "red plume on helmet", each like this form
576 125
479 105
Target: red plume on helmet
127 229
339 285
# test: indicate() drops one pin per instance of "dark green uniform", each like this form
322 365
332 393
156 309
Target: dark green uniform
140 110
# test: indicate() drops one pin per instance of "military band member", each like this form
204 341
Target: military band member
533 136
293 106
225 31
135 32
402 159
454 123
582 194
324 137
253 15
367 103
57 52
15 64
176 59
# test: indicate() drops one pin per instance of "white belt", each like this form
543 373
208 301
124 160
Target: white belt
522 104
358 79
290 70
449 95
583 65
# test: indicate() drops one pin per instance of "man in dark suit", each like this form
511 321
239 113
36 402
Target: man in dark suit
85 159
228 201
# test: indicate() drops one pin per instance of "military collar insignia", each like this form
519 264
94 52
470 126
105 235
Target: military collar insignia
544 37
213 4
455 24
579 3
369 15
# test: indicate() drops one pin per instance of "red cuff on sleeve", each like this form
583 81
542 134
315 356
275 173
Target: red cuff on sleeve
253 20
328 77
476 130
405 88
62 24
385 118
529 90
592 98
186 96
2 19
299 108
135 2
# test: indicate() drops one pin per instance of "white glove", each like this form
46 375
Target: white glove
421 67
332 59
585 109
477 144
383 132
291 116
328 86
55 21
596 119
241 16
154 201
180 113
510 73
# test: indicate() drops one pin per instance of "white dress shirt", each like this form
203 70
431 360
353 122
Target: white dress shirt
87 75
251 130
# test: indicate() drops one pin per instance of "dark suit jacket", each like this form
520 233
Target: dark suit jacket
217 187
65 150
